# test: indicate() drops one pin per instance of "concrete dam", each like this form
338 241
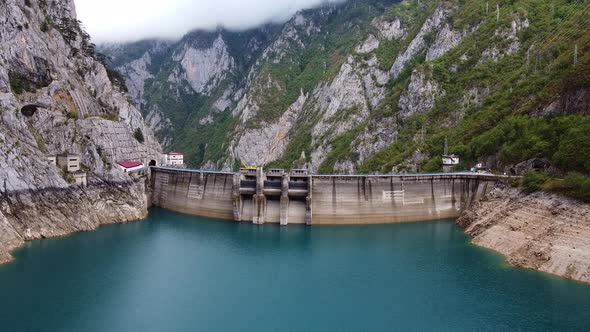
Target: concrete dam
298 198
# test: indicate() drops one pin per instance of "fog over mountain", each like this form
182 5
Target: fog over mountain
130 20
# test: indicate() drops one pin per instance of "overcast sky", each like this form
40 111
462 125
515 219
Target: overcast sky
129 20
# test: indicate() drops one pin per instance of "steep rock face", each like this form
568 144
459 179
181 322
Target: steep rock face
55 98
187 87
420 96
292 35
575 101
73 88
510 43
541 231
342 105
263 145
384 82
418 44
389 29
377 135
369 45
203 68
137 73
446 39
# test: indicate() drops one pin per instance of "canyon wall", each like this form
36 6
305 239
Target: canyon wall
57 97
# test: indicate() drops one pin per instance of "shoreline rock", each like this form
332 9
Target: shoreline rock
35 214
540 231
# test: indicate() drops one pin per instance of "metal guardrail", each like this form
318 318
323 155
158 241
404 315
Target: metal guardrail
425 175
190 170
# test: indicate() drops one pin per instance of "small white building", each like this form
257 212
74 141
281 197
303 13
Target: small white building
52 159
80 178
69 162
174 159
130 166
450 160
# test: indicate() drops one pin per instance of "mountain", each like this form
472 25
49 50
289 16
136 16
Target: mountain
376 86
56 97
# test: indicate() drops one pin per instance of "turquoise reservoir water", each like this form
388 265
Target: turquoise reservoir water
180 273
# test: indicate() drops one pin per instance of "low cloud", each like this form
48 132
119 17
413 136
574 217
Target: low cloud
130 20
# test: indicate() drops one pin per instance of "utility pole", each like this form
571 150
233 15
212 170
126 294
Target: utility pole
528 56
576 55
446 153
422 135
487 7
498 12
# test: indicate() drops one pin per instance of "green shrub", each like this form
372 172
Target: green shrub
432 165
573 152
68 177
138 134
46 25
579 186
575 185
110 117
17 83
73 115
534 181
20 83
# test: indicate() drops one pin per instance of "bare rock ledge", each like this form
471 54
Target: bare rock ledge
35 214
540 231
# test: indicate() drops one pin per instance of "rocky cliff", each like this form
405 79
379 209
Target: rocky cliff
367 86
56 97
541 231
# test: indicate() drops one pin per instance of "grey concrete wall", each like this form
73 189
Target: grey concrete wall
393 199
204 194
331 199
296 211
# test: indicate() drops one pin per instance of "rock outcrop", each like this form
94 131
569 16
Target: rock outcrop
384 82
56 97
420 96
539 231
36 214
418 44
203 68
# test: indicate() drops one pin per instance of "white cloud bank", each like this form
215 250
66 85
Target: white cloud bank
129 20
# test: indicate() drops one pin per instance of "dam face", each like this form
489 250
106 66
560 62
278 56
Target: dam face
299 198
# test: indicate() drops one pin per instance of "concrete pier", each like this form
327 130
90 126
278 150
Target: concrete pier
298 198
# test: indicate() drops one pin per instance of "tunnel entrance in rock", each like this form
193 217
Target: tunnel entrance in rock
28 110
153 163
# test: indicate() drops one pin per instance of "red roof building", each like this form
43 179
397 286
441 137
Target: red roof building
130 165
